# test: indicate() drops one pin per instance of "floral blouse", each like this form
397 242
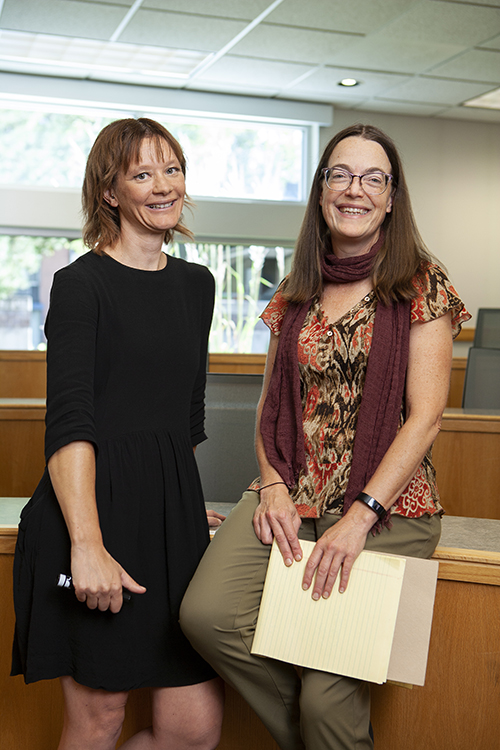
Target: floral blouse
332 361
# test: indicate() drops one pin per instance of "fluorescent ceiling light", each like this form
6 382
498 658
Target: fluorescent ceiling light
491 100
91 56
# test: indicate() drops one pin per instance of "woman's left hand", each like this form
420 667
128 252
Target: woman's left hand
338 548
214 519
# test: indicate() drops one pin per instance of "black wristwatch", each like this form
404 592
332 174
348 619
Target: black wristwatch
372 503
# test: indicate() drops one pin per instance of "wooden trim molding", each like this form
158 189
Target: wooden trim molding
462 420
239 363
466 335
8 537
30 355
459 363
473 566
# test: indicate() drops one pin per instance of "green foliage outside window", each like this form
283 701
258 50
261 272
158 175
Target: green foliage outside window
241 284
46 148
245 277
226 159
21 257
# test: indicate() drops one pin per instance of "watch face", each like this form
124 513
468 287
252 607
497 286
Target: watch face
372 503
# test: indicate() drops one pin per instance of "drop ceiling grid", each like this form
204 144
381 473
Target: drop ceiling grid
411 56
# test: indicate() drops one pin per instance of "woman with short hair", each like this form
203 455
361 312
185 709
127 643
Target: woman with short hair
120 505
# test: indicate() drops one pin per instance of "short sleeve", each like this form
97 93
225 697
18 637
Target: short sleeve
275 312
435 297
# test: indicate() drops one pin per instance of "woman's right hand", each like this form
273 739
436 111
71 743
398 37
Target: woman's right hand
276 517
98 579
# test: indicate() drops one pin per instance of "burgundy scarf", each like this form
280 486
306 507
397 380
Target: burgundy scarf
379 413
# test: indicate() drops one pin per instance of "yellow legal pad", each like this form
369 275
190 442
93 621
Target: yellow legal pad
351 633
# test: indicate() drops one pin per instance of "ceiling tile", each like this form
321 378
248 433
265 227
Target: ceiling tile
469 113
446 23
357 16
327 79
289 44
323 96
429 33
473 65
493 43
232 87
271 75
62 17
436 91
127 4
138 79
401 108
245 10
495 3
383 52
180 30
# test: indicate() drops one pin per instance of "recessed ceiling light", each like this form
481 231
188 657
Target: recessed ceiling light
348 82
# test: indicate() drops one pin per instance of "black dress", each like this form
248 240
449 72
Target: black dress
126 365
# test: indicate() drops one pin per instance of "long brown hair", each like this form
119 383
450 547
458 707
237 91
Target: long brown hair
115 148
399 259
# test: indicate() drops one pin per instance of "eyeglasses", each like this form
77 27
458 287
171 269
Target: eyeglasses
373 183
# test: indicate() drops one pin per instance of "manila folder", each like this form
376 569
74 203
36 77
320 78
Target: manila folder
378 629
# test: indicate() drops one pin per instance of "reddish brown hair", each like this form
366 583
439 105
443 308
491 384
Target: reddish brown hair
116 147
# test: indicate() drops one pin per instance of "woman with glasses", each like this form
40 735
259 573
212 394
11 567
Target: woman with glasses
356 381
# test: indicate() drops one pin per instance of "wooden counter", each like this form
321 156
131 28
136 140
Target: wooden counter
458 709
459 706
466 455
22 373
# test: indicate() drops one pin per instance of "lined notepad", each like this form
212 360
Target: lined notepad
349 634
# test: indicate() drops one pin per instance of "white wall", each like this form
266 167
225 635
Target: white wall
49 208
453 173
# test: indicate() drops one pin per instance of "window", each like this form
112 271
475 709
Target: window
252 161
230 159
27 265
46 149
246 277
255 154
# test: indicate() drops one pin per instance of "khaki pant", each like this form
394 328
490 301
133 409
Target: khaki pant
313 710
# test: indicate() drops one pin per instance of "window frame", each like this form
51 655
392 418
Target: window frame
122 100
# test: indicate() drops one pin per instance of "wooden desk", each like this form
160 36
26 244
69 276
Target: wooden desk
467 459
458 709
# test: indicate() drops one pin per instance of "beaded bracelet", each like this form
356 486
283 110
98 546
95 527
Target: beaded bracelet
372 503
